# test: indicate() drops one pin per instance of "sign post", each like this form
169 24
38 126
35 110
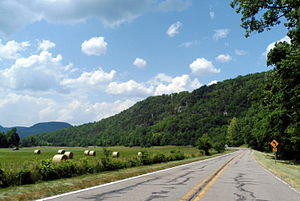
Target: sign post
274 145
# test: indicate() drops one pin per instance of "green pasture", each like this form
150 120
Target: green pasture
14 160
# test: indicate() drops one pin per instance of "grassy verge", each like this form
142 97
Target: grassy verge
45 189
286 170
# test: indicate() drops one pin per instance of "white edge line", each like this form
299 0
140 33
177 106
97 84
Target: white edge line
291 187
130 178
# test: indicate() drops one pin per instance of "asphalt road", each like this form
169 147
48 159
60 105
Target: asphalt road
236 176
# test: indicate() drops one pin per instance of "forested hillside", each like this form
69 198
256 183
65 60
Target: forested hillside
177 119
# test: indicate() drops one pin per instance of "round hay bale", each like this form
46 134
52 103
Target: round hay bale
37 151
59 157
92 153
115 154
61 151
86 152
69 154
140 154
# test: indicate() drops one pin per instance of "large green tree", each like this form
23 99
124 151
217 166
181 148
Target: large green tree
278 113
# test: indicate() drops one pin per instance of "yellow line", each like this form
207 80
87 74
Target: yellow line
194 190
201 194
213 179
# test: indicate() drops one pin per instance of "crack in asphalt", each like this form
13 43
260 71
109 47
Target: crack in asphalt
240 187
115 193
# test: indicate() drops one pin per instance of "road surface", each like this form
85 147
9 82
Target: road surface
235 176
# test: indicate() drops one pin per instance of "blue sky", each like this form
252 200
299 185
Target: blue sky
81 61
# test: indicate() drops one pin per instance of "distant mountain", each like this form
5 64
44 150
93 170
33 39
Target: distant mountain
44 127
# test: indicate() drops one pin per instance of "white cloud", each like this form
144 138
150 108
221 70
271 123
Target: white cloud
173 29
174 5
141 63
36 72
176 84
95 46
188 44
202 66
224 58
272 45
212 83
212 15
29 110
45 45
220 33
240 52
11 49
93 78
130 88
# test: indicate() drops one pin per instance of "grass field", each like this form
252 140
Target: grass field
49 188
15 160
286 170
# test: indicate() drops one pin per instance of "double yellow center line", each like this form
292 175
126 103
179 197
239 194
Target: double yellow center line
200 189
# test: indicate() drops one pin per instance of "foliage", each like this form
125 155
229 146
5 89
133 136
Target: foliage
9 139
46 170
204 143
233 133
276 112
176 119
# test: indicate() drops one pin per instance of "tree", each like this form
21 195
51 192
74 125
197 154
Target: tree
204 143
13 138
278 114
261 15
233 132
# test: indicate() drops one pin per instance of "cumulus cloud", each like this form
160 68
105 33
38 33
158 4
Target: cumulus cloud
29 110
95 46
12 49
130 88
176 84
173 29
36 72
272 45
45 45
223 58
93 78
174 5
202 66
212 83
140 63
220 33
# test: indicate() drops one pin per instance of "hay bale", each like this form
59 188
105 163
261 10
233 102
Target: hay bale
115 154
69 154
92 153
59 157
61 151
37 151
86 152
140 154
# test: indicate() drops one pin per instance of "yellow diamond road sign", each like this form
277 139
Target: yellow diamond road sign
274 143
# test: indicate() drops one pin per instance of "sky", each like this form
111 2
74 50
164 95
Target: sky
81 61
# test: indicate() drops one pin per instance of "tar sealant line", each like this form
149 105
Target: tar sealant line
268 171
128 179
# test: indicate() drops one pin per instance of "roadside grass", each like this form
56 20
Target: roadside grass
46 189
286 170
